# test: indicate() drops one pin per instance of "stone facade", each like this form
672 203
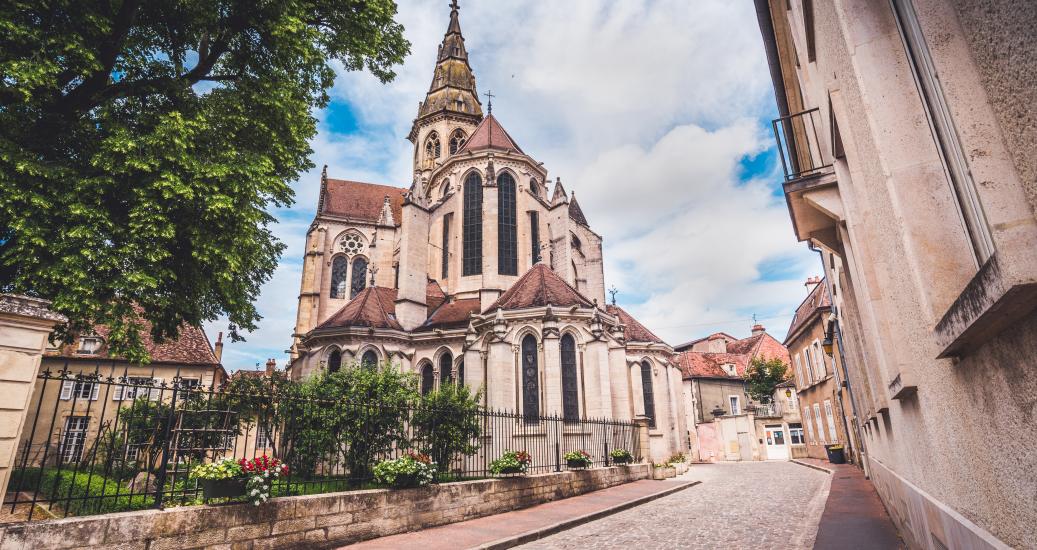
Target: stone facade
915 177
315 521
478 273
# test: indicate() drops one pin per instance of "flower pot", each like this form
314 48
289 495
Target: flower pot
404 481
621 460
663 473
576 464
513 471
223 488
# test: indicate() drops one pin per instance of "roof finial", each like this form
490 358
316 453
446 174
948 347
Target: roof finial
489 101
454 6
612 292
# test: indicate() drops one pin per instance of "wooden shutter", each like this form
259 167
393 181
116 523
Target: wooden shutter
156 389
66 389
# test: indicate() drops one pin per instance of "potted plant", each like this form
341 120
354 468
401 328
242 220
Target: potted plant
223 479
621 456
511 463
678 461
663 471
260 474
410 470
577 459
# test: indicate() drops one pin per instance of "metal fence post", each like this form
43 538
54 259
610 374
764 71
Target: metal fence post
160 476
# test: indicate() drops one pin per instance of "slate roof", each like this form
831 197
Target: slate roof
373 307
817 300
539 287
490 135
576 213
635 331
190 347
361 201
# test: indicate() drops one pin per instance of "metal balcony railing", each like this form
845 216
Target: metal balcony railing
799 146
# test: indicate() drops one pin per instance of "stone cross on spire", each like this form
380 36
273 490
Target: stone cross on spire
489 101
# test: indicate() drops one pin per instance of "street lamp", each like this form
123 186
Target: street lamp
788 393
826 345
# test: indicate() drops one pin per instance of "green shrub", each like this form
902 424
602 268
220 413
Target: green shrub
446 424
66 488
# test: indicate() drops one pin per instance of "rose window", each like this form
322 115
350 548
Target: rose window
351 244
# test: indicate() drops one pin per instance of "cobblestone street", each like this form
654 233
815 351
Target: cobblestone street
737 505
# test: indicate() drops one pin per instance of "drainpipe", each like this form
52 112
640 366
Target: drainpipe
842 361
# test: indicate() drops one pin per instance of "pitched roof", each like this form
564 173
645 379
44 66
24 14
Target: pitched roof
817 300
451 314
699 364
490 135
373 307
434 295
361 201
635 331
539 287
576 213
688 345
190 347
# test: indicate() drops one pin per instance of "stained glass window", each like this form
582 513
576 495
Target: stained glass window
335 361
456 141
646 390
432 148
359 281
338 276
534 236
446 364
507 235
446 245
530 380
427 379
472 225
570 381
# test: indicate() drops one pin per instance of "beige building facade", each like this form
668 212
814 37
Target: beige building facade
479 271
910 152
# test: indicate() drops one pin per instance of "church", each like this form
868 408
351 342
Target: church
480 272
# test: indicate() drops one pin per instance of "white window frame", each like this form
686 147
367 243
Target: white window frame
795 433
92 350
810 426
820 425
831 421
131 388
263 439
734 402
73 438
75 389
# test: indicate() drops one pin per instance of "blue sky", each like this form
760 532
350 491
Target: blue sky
655 113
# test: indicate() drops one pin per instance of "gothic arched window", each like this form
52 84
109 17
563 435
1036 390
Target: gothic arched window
530 380
334 361
427 379
338 276
369 359
460 372
359 281
507 235
472 225
456 141
647 392
570 381
446 364
432 148
534 186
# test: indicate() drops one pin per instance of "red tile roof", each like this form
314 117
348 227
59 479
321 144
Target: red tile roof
688 345
373 307
490 135
815 302
697 364
539 287
190 347
362 201
451 314
434 295
635 331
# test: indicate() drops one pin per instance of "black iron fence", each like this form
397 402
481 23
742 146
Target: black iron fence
96 444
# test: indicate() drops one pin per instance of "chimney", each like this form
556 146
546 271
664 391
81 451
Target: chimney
271 366
716 344
758 329
812 283
218 348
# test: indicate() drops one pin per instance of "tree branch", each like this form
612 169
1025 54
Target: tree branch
108 54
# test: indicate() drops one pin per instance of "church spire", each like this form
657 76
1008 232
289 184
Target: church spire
453 84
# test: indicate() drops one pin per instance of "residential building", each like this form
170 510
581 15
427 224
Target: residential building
908 142
67 414
478 272
816 375
724 423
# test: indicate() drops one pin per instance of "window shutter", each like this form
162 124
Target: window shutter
66 389
155 391
117 395
95 390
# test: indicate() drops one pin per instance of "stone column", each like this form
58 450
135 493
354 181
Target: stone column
24 325
552 368
642 437
619 382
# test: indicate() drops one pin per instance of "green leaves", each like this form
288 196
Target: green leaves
143 145
763 376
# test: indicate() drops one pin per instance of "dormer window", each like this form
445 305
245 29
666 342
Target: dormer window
89 345
729 368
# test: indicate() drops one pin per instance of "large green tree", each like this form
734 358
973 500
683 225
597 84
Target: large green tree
763 376
144 143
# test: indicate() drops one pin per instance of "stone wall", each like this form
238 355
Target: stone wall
315 521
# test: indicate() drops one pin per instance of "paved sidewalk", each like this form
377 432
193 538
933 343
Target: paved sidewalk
854 517
501 530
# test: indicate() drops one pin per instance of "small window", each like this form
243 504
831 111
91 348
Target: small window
89 345
263 439
428 380
432 147
796 434
79 390
534 237
334 361
446 366
369 359
534 186
136 386
735 403
648 392
446 246
457 140
73 438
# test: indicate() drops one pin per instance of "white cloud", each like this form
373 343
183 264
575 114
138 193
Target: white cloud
643 107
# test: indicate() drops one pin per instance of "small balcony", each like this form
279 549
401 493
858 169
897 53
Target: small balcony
811 191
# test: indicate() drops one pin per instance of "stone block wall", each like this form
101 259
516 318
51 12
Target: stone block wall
314 521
